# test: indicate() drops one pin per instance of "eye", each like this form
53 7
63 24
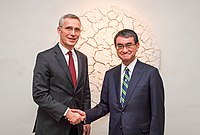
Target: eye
69 28
77 30
119 46
129 45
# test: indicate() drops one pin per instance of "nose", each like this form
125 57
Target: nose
72 32
125 49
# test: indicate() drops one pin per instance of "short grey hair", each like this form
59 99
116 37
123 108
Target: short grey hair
72 16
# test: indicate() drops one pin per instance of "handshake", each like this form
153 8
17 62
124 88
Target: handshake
75 116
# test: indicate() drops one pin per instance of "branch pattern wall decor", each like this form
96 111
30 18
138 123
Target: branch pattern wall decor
99 28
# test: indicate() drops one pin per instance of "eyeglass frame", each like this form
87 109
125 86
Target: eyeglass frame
70 29
127 46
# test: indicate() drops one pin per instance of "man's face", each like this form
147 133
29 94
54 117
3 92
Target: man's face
69 32
126 49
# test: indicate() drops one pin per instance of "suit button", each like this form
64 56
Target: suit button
122 112
121 127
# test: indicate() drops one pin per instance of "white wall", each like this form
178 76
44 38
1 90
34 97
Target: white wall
29 26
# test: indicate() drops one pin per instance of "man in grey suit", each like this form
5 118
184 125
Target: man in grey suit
60 84
132 92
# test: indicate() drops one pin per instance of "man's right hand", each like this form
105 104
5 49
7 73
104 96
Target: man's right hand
75 116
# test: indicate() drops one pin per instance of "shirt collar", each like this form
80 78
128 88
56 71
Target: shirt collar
65 50
130 66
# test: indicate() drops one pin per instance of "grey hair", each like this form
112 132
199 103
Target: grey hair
72 16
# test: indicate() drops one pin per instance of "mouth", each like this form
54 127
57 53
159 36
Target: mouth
125 54
72 39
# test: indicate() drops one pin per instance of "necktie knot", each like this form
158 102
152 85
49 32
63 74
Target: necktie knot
69 53
126 69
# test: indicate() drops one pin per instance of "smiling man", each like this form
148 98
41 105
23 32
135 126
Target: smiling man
60 84
132 93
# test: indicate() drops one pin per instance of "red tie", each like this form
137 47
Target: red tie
72 68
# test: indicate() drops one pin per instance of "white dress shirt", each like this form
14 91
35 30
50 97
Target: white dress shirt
131 67
65 53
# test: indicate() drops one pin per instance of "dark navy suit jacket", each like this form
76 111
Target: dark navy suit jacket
143 112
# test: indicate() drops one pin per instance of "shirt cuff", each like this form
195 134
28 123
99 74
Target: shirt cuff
66 112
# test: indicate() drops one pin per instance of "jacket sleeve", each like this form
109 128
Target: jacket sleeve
157 104
40 89
102 108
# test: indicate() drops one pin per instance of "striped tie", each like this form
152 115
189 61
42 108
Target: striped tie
125 83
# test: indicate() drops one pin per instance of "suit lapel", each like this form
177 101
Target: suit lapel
61 60
79 66
117 81
135 77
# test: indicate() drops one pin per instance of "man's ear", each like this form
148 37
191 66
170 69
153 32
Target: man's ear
137 45
58 30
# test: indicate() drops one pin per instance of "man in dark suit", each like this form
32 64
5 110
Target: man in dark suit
132 92
60 84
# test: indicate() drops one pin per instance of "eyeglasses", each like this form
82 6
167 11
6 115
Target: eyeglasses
127 46
71 29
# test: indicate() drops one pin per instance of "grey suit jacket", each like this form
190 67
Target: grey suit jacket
54 92
143 111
